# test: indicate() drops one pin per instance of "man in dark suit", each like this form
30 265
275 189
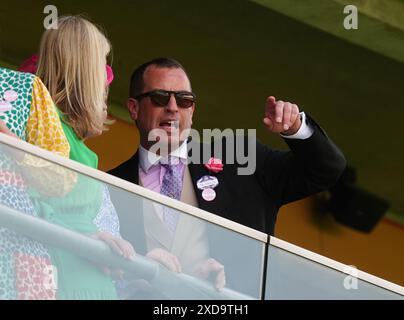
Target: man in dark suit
161 100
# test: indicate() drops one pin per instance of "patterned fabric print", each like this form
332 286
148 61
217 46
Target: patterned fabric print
44 128
11 242
34 278
24 96
11 178
107 218
21 83
33 116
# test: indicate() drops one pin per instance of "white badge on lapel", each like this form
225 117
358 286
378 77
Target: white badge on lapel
208 194
207 184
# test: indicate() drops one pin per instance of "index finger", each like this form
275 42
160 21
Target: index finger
270 104
271 100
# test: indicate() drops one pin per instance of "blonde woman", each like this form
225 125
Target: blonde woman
72 60
72 65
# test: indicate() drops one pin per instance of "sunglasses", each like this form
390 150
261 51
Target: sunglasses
161 98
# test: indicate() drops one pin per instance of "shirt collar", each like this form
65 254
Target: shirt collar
148 159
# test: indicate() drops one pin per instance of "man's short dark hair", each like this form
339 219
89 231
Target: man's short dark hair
137 81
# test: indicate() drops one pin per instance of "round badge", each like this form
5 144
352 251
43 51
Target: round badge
207 182
10 95
208 194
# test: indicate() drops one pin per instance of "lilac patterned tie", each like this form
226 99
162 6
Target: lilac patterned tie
172 187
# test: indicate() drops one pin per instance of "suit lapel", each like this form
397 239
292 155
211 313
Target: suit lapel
185 224
154 227
133 169
197 171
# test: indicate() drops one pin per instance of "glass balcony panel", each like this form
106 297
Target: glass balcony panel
293 277
49 214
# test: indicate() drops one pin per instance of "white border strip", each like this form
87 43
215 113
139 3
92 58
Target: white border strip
334 265
133 188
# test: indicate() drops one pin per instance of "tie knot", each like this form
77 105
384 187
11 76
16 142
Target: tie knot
170 163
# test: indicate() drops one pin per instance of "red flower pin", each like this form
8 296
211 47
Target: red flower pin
215 165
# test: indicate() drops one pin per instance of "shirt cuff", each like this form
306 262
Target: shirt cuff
305 131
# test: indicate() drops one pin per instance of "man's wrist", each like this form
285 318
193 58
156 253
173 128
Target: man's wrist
305 130
293 129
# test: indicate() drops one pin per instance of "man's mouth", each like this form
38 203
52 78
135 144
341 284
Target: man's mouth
169 124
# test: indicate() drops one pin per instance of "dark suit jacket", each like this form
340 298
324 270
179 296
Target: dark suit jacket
312 165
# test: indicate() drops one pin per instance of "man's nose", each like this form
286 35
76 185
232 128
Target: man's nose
172 104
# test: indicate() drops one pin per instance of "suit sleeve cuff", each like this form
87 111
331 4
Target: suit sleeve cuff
305 131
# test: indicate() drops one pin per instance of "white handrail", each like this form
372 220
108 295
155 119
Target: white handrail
133 188
99 253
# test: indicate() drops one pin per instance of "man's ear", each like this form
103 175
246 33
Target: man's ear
192 113
133 108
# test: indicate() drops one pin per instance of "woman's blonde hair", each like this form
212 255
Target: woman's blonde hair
71 64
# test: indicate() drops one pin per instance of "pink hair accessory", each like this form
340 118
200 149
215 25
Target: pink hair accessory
31 64
110 74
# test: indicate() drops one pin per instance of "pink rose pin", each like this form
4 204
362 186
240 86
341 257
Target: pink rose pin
215 165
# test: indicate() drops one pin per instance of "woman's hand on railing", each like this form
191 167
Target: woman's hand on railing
141 287
209 269
212 269
118 245
166 258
